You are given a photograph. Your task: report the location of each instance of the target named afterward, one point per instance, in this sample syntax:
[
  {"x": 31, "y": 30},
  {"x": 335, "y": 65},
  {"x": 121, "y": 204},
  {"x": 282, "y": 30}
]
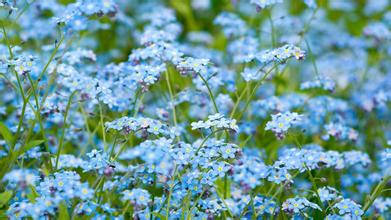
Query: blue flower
[
  {"x": 228, "y": 151},
  {"x": 252, "y": 74},
  {"x": 280, "y": 55},
  {"x": 327, "y": 194},
  {"x": 217, "y": 121},
  {"x": 137, "y": 196},
  {"x": 349, "y": 207},
  {"x": 220, "y": 169},
  {"x": 281, "y": 122},
  {"x": 297, "y": 205}
]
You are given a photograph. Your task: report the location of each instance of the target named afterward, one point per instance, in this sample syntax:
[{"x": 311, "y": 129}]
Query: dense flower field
[{"x": 195, "y": 109}]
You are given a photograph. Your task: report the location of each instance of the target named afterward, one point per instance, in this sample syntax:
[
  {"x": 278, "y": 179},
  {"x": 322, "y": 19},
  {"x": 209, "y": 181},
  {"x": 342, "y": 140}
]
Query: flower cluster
[
  {"x": 217, "y": 121},
  {"x": 62, "y": 186},
  {"x": 349, "y": 208},
  {"x": 280, "y": 55},
  {"x": 327, "y": 193},
  {"x": 322, "y": 83},
  {"x": 340, "y": 131},
  {"x": 297, "y": 205},
  {"x": 139, "y": 197},
  {"x": 118, "y": 109},
  {"x": 144, "y": 125},
  {"x": 281, "y": 122}
]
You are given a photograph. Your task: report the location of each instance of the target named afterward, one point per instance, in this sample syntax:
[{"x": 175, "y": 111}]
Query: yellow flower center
[{"x": 84, "y": 191}]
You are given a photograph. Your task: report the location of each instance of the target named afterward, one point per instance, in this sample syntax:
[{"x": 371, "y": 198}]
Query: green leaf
[
  {"x": 5, "y": 197},
  {"x": 159, "y": 215},
  {"x": 63, "y": 212},
  {"x": 33, "y": 195},
  {"x": 6, "y": 133}
]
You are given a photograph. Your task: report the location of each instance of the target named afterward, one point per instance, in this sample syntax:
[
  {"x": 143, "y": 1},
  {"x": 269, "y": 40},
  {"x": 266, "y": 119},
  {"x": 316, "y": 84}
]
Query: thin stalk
[
  {"x": 238, "y": 101},
  {"x": 114, "y": 144},
  {"x": 315, "y": 186},
  {"x": 170, "y": 192},
  {"x": 13, "y": 85},
  {"x": 64, "y": 129},
  {"x": 210, "y": 92},
  {"x": 24, "y": 10},
  {"x": 87, "y": 127},
  {"x": 376, "y": 192},
  {"x": 246, "y": 207},
  {"x": 102, "y": 126},
  {"x": 38, "y": 113},
  {"x": 195, "y": 204},
  {"x": 312, "y": 58},
  {"x": 137, "y": 107},
  {"x": 273, "y": 37},
  {"x": 7, "y": 41},
  {"x": 135, "y": 101},
  {"x": 174, "y": 116},
  {"x": 100, "y": 196},
  {"x": 20, "y": 88},
  {"x": 172, "y": 98},
  {"x": 225, "y": 186},
  {"x": 51, "y": 58},
  {"x": 206, "y": 138},
  {"x": 16, "y": 137},
  {"x": 280, "y": 189},
  {"x": 153, "y": 196},
  {"x": 126, "y": 208},
  {"x": 52, "y": 78},
  {"x": 259, "y": 83},
  {"x": 312, "y": 179},
  {"x": 120, "y": 150}
]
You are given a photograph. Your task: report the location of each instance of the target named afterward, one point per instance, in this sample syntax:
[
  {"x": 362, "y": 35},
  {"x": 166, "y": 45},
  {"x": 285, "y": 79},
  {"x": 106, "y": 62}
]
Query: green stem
[
  {"x": 206, "y": 138},
  {"x": 376, "y": 192},
  {"x": 102, "y": 126},
  {"x": 24, "y": 9},
  {"x": 172, "y": 98},
  {"x": 135, "y": 101},
  {"x": 195, "y": 204},
  {"x": 52, "y": 78},
  {"x": 114, "y": 144},
  {"x": 153, "y": 196},
  {"x": 90, "y": 135},
  {"x": 315, "y": 187},
  {"x": 280, "y": 189},
  {"x": 51, "y": 57},
  {"x": 120, "y": 150},
  {"x": 16, "y": 137},
  {"x": 225, "y": 186},
  {"x": 259, "y": 83},
  {"x": 269, "y": 15},
  {"x": 210, "y": 92},
  {"x": 126, "y": 208},
  {"x": 7, "y": 42},
  {"x": 312, "y": 57},
  {"x": 38, "y": 113},
  {"x": 64, "y": 129},
  {"x": 170, "y": 192},
  {"x": 238, "y": 101},
  {"x": 135, "y": 112},
  {"x": 174, "y": 116},
  {"x": 312, "y": 179}
]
